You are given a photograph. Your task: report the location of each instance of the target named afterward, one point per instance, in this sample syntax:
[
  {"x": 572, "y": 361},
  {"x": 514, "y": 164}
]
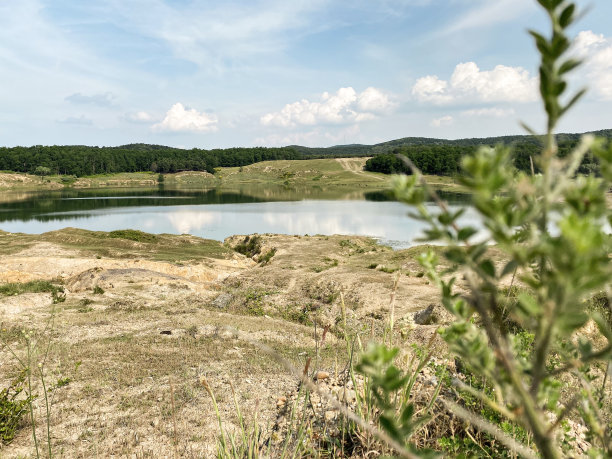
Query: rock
[
  {"x": 321, "y": 375},
  {"x": 424, "y": 316},
  {"x": 282, "y": 401},
  {"x": 222, "y": 300}
]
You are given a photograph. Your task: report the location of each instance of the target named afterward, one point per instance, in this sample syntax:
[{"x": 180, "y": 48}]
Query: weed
[
  {"x": 97, "y": 290},
  {"x": 254, "y": 301},
  {"x": 386, "y": 269},
  {"x": 372, "y": 266},
  {"x": 329, "y": 263},
  {"x": 12, "y": 408}
]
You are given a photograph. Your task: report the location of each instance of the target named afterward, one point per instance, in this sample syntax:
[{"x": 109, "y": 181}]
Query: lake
[{"x": 216, "y": 214}]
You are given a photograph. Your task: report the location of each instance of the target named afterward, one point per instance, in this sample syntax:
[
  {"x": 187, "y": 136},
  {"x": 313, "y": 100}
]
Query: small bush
[
  {"x": 250, "y": 246},
  {"x": 263, "y": 261},
  {"x": 97, "y": 290}
]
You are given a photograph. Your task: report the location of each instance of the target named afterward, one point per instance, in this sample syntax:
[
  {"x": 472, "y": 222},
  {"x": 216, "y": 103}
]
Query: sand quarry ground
[{"x": 176, "y": 308}]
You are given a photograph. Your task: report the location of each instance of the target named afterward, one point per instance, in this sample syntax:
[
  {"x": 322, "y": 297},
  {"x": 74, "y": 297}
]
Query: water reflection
[
  {"x": 188, "y": 222},
  {"x": 216, "y": 214}
]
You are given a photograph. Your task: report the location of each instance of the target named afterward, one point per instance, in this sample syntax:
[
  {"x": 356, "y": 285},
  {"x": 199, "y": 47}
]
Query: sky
[{"x": 216, "y": 74}]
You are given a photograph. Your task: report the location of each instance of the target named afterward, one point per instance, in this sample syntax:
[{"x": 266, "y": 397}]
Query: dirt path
[{"x": 356, "y": 165}]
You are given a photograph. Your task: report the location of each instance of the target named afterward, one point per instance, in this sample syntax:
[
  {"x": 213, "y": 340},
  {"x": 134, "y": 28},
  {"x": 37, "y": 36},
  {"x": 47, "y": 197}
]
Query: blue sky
[{"x": 208, "y": 74}]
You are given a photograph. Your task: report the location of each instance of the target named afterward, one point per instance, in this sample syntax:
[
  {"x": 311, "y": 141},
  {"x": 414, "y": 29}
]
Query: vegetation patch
[
  {"x": 133, "y": 235},
  {"x": 264, "y": 260},
  {"x": 37, "y": 286},
  {"x": 250, "y": 246}
]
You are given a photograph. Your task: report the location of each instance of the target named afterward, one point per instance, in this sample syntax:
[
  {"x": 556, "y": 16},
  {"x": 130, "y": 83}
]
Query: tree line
[
  {"x": 80, "y": 160},
  {"x": 446, "y": 159}
]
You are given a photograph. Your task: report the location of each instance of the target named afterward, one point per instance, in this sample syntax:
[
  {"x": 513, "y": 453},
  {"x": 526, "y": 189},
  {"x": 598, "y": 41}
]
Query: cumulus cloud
[
  {"x": 442, "y": 121},
  {"x": 596, "y": 50},
  {"x": 100, "y": 100},
  {"x": 494, "y": 112},
  {"x": 470, "y": 84},
  {"x": 345, "y": 106},
  {"x": 181, "y": 119}
]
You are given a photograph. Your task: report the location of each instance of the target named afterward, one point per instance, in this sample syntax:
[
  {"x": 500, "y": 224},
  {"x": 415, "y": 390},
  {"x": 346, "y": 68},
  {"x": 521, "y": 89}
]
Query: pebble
[{"x": 321, "y": 375}]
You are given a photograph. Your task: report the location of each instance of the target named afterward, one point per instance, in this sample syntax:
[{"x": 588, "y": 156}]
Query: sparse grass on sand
[{"x": 127, "y": 361}]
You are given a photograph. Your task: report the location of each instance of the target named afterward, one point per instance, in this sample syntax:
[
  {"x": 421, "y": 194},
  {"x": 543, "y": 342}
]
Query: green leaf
[
  {"x": 568, "y": 66},
  {"x": 487, "y": 267},
  {"x": 573, "y": 100},
  {"x": 407, "y": 413},
  {"x": 465, "y": 233},
  {"x": 602, "y": 325},
  {"x": 509, "y": 268},
  {"x": 567, "y": 15}
]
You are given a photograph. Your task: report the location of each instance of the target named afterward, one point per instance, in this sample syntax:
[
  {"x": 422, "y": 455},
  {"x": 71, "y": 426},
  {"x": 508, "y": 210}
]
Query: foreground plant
[
  {"x": 32, "y": 362},
  {"x": 550, "y": 231}
]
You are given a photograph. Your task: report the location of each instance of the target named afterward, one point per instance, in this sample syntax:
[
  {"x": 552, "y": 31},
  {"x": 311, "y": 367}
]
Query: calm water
[{"x": 216, "y": 214}]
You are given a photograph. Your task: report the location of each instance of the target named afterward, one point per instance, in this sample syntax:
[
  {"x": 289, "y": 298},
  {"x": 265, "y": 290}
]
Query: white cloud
[
  {"x": 494, "y": 112},
  {"x": 345, "y": 106},
  {"x": 442, "y": 121},
  {"x": 181, "y": 119},
  {"x": 596, "y": 50},
  {"x": 470, "y": 84},
  {"x": 373, "y": 100}
]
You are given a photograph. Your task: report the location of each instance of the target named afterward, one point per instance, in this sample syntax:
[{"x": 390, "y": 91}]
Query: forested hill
[
  {"x": 82, "y": 160},
  {"x": 444, "y": 157},
  {"x": 435, "y": 156},
  {"x": 387, "y": 147}
]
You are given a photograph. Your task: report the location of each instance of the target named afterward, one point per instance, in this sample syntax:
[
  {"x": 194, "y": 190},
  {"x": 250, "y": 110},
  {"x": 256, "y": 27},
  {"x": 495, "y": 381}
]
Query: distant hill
[{"x": 386, "y": 147}]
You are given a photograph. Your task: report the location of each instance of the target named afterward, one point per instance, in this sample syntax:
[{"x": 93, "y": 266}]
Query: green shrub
[
  {"x": 250, "y": 246},
  {"x": 263, "y": 261}
]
